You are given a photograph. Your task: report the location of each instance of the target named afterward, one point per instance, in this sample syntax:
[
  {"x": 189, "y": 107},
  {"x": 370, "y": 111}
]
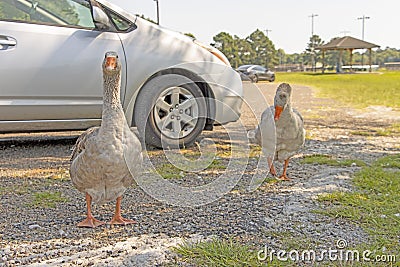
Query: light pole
[
  {"x": 158, "y": 12},
  {"x": 266, "y": 51},
  {"x": 312, "y": 16},
  {"x": 363, "y": 18}
]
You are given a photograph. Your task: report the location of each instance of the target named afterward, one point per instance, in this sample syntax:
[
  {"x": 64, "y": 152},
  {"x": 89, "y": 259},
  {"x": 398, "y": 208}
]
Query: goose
[
  {"x": 105, "y": 159},
  {"x": 289, "y": 133}
]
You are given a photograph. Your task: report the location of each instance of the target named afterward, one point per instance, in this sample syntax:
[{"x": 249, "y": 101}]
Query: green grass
[
  {"x": 218, "y": 253},
  {"x": 392, "y": 130},
  {"x": 359, "y": 90},
  {"x": 331, "y": 161},
  {"x": 229, "y": 253},
  {"x": 392, "y": 161},
  {"x": 48, "y": 199},
  {"x": 20, "y": 190},
  {"x": 375, "y": 205}
]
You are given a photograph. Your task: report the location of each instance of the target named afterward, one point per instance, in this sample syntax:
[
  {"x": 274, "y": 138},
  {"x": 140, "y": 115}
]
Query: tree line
[{"x": 258, "y": 49}]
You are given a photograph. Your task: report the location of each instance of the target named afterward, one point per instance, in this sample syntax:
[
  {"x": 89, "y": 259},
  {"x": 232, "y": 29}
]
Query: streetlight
[
  {"x": 158, "y": 12},
  {"x": 363, "y": 18},
  {"x": 312, "y": 16}
]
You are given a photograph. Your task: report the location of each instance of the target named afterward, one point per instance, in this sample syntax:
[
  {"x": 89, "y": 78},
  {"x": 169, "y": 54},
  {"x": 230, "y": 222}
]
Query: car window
[
  {"x": 75, "y": 13},
  {"x": 244, "y": 67},
  {"x": 259, "y": 68},
  {"x": 120, "y": 23}
]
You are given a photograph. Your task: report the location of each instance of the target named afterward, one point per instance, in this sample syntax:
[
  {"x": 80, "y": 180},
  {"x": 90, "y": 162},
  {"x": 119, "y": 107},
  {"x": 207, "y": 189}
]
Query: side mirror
[{"x": 100, "y": 18}]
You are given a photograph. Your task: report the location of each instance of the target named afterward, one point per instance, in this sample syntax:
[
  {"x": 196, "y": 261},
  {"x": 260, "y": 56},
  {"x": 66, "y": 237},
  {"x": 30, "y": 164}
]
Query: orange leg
[
  {"x": 284, "y": 177},
  {"x": 90, "y": 221},
  {"x": 117, "y": 218},
  {"x": 271, "y": 166}
]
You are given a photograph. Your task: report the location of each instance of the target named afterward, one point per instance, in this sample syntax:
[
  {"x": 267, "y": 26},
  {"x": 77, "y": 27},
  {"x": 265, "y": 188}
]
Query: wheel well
[{"x": 201, "y": 83}]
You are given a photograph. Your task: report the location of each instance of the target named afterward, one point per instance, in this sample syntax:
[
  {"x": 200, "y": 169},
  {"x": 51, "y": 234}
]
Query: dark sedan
[{"x": 256, "y": 73}]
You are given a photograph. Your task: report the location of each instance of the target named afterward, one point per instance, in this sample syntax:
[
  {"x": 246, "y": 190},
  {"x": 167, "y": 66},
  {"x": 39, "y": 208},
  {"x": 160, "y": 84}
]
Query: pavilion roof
[{"x": 346, "y": 42}]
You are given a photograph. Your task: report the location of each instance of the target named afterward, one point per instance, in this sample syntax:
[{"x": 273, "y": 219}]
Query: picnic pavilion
[{"x": 346, "y": 43}]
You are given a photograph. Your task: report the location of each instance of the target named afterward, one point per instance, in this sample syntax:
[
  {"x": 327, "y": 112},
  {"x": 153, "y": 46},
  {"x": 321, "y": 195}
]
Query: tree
[
  {"x": 281, "y": 56},
  {"x": 386, "y": 55},
  {"x": 244, "y": 51},
  {"x": 263, "y": 50},
  {"x": 254, "y": 49},
  {"x": 313, "y": 56},
  {"x": 227, "y": 45}
]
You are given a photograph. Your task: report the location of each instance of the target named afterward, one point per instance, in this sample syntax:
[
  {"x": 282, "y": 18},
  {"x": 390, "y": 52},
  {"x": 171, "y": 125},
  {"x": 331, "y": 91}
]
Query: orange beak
[
  {"x": 111, "y": 63},
  {"x": 278, "y": 111}
]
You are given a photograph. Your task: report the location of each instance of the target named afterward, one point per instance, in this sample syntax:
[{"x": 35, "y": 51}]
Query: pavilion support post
[
  {"x": 340, "y": 61},
  {"x": 323, "y": 61},
  {"x": 370, "y": 59},
  {"x": 351, "y": 60}
]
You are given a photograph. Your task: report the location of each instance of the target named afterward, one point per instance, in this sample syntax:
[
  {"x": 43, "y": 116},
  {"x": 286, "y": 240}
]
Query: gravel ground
[{"x": 34, "y": 235}]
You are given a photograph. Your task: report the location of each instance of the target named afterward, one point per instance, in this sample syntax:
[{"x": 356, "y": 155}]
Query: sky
[{"x": 288, "y": 21}]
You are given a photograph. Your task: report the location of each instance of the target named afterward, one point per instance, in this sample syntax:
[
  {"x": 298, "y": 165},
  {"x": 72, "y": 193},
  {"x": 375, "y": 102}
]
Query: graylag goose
[
  {"x": 289, "y": 131},
  {"x": 103, "y": 156}
]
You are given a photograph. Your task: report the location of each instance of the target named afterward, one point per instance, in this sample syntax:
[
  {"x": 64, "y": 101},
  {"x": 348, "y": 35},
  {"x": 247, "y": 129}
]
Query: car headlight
[{"x": 213, "y": 51}]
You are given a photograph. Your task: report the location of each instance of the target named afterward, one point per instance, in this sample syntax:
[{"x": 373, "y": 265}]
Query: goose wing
[
  {"x": 265, "y": 134},
  {"x": 295, "y": 111},
  {"x": 81, "y": 141}
]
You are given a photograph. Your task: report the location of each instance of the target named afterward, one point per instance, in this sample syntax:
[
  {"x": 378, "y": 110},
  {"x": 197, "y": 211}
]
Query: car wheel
[
  {"x": 170, "y": 111},
  {"x": 272, "y": 79},
  {"x": 254, "y": 79}
]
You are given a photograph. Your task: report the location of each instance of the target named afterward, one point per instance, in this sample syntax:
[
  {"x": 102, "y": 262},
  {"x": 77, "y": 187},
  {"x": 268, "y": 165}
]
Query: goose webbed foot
[
  {"x": 90, "y": 222},
  {"x": 272, "y": 170},
  {"x": 284, "y": 177},
  {"x": 117, "y": 218}
]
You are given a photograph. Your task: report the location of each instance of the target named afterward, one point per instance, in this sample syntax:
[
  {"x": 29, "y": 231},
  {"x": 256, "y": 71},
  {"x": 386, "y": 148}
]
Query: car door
[
  {"x": 260, "y": 72},
  {"x": 50, "y": 61}
]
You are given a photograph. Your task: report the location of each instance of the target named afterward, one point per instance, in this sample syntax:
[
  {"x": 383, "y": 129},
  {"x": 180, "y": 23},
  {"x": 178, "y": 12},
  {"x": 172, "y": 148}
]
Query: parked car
[
  {"x": 172, "y": 86},
  {"x": 256, "y": 73}
]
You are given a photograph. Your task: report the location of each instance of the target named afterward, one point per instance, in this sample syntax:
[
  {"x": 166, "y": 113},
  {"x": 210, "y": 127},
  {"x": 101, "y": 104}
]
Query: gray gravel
[{"x": 33, "y": 163}]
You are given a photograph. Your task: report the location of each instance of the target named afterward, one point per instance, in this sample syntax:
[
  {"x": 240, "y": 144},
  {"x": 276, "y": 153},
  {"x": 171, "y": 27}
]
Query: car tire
[
  {"x": 170, "y": 111},
  {"x": 272, "y": 79},
  {"x": 254, "y": 79}
]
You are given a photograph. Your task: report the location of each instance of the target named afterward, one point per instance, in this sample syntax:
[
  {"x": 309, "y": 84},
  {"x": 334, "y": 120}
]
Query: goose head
[
  {"x": 282, "y": 99},
  {"x": 111, "y": 63}
]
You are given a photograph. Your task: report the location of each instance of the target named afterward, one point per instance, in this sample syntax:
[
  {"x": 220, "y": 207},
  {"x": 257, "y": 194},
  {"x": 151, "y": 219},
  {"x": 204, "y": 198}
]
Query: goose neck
[{"x": 111, "y": 94}]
